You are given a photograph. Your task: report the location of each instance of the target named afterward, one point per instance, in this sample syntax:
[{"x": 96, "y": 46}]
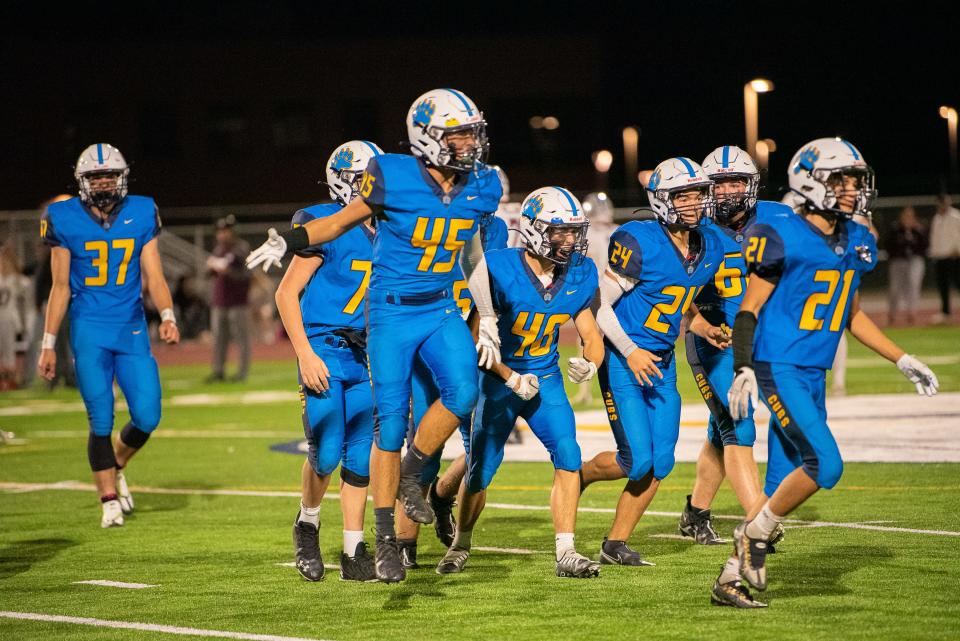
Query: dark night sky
[{"x": 874, "y": 76}]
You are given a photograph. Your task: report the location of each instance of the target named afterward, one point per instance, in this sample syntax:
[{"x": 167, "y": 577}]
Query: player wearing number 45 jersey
[
  {"x": 428, "y": 207},
  {"x": 655, "y": 270},
  {"x": 102, "y": 241},
  {"x": 804, "y": 273},
  {"x": 321, "y": 302}
]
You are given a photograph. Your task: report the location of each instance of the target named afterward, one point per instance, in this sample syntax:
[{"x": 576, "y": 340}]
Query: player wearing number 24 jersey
[
  {"x": 101, "y": 241},
  {"x": 655, "y": 270}
]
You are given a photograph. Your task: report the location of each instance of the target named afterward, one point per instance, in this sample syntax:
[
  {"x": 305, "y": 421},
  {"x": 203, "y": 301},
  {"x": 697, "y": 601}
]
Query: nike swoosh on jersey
[
  {"x": 472, "y": 197},
  {"x": 135, "y": 332},
  {"x": 571, "y": 291},
  {"x": 127, "y": 221},
  {"x": 707, "y": 265}
]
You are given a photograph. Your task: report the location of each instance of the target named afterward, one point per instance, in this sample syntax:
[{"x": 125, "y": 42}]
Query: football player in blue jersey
[
  {"x": 102, "y": 241},
  {"x": 655, "y": 270},
  {"x": 804, "y": 272},
  {"x": 320, "y": 301},
  {"x": 428, "y": 207},
  {"x": 728, "y": 450},
  {"x": 536, "y": 289},
  {"x": 442, "y": 491}
]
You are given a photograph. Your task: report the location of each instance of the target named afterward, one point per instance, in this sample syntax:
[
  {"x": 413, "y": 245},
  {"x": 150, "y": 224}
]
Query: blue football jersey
[
  {"x": 493, "y": 235},
  {"x": 530, "y": 316},
  {"x": 105, "y": 281},
  {"x": 421, "y": 230},
  {"x": 667, "y": 282},
  {"x": 816, "y": 276},
  {"x": 333, "y": 298}
]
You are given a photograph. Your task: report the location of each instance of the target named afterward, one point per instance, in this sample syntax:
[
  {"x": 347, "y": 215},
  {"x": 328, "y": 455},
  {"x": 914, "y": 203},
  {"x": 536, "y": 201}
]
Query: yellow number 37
[{"x": 100, "y": 261}]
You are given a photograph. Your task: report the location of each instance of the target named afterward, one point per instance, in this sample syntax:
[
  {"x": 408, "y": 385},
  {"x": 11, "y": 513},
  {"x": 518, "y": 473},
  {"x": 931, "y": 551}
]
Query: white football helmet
[
  {"x": 817, "y": 172},
  {"x": 545, "y": 215},
  {"x": 730, "y": 162},
  {"x": 675, "y": 176},
  {"x": 440, "y": 112},
  {"x": 345, "y": 168},
  {"x": 98, "y": 161}
]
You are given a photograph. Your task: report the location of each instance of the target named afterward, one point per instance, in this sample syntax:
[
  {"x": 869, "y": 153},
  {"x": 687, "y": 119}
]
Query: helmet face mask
[
  {"x": 692, "y": 206},
  {"x": 554, "y": 226},
  {"x": 440, "y": 126},
  {"x": 101, "y": 174},
  {"x": 681, "y": 194},
  {"x": 562, "y": 243},
  {"x": 737, "y": 181},
  {"x": 833, "y": 178}
]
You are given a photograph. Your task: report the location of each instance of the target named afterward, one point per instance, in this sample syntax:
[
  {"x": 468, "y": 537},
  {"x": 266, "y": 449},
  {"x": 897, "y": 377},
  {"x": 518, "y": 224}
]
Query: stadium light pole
[
  {"x": 631, "y": 140},
  {"x": 750, "y": 91},
  {"x": 765, "y": 147},
  {"x": 950, "y": 115}
]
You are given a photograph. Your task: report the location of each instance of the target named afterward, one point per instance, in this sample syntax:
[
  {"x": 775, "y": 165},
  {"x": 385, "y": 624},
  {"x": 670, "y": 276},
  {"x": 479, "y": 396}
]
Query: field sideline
[{"x": 874, "y": 558}]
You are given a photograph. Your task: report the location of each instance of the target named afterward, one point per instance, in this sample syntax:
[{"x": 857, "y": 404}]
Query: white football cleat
[
  {"x": 112, "y": 514},
  {"x": 123, "y": 494}
]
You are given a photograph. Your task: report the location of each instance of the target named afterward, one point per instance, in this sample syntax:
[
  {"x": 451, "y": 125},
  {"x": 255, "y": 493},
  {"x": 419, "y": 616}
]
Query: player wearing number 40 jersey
[
  {"x": 655, "y": 270},
  {"x": 102, "y": 241},
  {"x": 804, "y": 272},
  {"x": 536, "y": 289},
  {"x": 321, "y": 302},
  {"x": 428, "y": 207}
]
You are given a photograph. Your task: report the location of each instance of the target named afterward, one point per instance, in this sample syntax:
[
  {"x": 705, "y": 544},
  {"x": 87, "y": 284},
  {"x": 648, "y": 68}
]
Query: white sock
[
  {"x": 731, "y": 570},
  {"x": 463, "y": 539},
  {"x": 763, "y": 525},
  {"x": 309, "y": 515},
  {"x": 351, "y": 539},
  {"x": 564, "y": 543}
]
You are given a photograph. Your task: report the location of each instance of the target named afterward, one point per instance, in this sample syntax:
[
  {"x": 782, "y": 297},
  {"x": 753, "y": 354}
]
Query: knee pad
[
  {"x": 354, "y": 479},
  {"x": 461, "y": 400},
  {"x": 133, "y": 437},
  {"x": 327, "y": 459},
  {"x": 100, "y": 453},
  {"x": 663, "y": 465},
  {"x": 567, "y": 455},
  {"x": 829, "y": 473},
  {"x": 389, "y": 432},
  {"x": 637, "y": 468}
]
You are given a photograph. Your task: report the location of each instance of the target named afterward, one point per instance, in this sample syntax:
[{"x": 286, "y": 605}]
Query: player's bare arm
[
  {"x": 582, "y": 369},
  {"x": 159, "y": 291},
  {"x": 313, "y": 371},
  {"x": 56, "y": 308},
  {"x": 716, "y": 336}
]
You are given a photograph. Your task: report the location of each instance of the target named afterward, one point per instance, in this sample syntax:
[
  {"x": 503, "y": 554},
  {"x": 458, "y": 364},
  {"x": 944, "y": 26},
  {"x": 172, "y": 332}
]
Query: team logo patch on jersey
[
  {"x": 533, "y": 208},
  {"x": 807, "y": 158},
  {"x": 424, "y": 112},
  {"x": 863, "y": 251},
  {"x": 343, "y": 160}
]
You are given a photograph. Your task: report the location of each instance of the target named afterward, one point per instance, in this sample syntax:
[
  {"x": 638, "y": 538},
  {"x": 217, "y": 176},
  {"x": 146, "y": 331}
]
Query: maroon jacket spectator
[{"x": 228, "y": 313}]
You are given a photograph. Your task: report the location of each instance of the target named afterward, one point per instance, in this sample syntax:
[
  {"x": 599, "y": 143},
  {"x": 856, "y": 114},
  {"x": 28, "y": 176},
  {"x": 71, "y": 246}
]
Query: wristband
[
  {"x": 49, "y": 341},
  {"x": 167, "y": 315},
  {"x": 297, "y": 239}
]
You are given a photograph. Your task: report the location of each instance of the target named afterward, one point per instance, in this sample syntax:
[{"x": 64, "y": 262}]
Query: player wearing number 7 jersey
[
  {"x": 804, "y": 273},
  {"x": 655, "y": 269},
  {"x": 428, "y": 207},
  {"x": 102, "y": 241}
]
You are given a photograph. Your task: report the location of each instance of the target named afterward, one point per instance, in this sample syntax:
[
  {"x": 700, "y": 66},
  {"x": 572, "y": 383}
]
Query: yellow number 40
[{"x": 100, "y": 261}]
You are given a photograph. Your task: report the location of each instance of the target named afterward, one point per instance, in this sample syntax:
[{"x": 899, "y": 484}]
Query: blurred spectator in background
[
  {"x": 907, "y": 249},
  {"x": 12, "y": 293},
  {"x": 945, "y": 252},
  {"x": 228, "y": 312},
  {"x": 193, "y": 313}
]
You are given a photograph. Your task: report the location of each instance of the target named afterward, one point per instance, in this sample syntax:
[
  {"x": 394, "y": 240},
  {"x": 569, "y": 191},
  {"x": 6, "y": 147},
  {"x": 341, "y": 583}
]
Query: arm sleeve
[
  {"x": 624, "y": 255},
  {"x": 300, "y": 219},
  {"x": 372, "y": 187},
  {"x": 610, "y": 293},
  {"x": 764, "y": 252},
  {"x": 478, "y": 278}
]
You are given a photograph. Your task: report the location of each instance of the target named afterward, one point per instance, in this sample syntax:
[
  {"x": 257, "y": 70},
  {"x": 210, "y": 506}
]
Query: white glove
[
  {"x": 919, "y": 374},
  {"x": 580, "y": 370},
  {"x": 269, "y": 253},
  {"x": 742, "y": 392},
  {"x": 525, "y": 386},
  {"x": 488, "y": 342}
]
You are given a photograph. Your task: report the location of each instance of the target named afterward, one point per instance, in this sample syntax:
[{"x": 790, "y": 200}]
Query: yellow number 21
[{"x": 808, "y": 318}]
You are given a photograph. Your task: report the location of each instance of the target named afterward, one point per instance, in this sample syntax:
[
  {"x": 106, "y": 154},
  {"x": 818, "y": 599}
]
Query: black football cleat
[
  {"x": 734, "y": 594},
  {"x": 358, "y": 567},
  {"x": 697, "y": 525},
  {"x": 389, "y": 568},
  {"x": 306, "y": 545},
  {"x": 618, "y": 553},
  {"x": 753, "y": 557},
  {"x": 410, "y": 495},
  {"x": 445, "y": 525},
  {"x": 408, "y": 554}
]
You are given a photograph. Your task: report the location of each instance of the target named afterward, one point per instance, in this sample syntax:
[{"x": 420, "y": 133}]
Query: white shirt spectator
[{"x": 945, "y": 234}]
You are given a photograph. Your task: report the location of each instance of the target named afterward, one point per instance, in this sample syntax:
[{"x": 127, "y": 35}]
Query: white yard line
[
  {"x": 224, "y": 434},
  {"x": 147, "y": 627},
  {"x": 116, "y": 584},
  {"x": 86, "y": 487},
  {"x": 483, "y": 548}
]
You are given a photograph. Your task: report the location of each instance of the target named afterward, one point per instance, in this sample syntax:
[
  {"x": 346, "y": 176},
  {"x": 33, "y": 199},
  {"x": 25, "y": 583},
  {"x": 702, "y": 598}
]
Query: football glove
[
  {"x": 580, "y": 370},
  {"x": 525, "y": 386},
  {"x": 742, "y": 392},
  {"x": 919, "y": 374},
  {"x": 488, "y": 342},
  {"x": 269, "y": 253}
]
